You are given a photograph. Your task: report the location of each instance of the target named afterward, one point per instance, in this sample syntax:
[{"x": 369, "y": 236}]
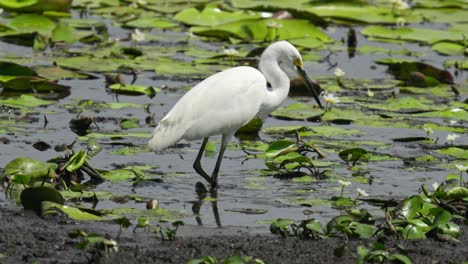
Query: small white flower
[
  {"x": 190, "y": 34},
  {"x": 452, "y": 137},
  {"x": 454, "y": 110},
  {"x": 402, "y": 5},
  {"x": 339, "y": 73},
  {"x": 138, "y": 36},
  {"x": 428, "y": 130},
  {"x": 331, "y": 99},
  {"x": 399, "y": 4},
  {"x": 453, "y": 122},
  {"x": 435, "y": 185},
  {"x": 274, "y": 24},
  {"x": 266, "y": 14},
  {"x": 344, "y": 183},
  {"x": 361, "y": 192},
  {"x": 461, "y": 167},
  {"x": 400, "y": 22},
  {"x": 142, "y": 2},
  {"x": 217, "y": 10},
  {"x": 230, "y": 52},
  {"x": 370, "y": 93}
]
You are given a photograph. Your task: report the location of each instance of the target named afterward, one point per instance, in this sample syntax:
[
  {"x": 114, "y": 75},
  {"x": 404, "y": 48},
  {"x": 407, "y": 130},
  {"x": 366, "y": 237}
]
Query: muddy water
[{"x": 241, "y": 188}]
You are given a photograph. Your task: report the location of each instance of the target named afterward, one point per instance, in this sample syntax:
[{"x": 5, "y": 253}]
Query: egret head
[{"x": 286, "y": 55}]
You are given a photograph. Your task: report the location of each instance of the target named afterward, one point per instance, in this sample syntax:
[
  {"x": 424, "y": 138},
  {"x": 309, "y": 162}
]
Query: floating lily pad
[
  {"x": 212, "y": 16},
  {"x": 267, "y": 29},
  {"x": 72, "y": 212},
  {"x": 454, "y": 114},
  {"x": 404, "y": 104},
  {"x": 25, "y": 101},
  {"x": 449, "y": 48},
  {"x": 425, "y": 35},
  {"x": 134, "y": 89},
  {"x": 28, "y": 23},
  {"x": 455, "y": 152},
  {"x": 32, "y": 198},
  {"x": 298, "y": 111},
  {"x": 330, "y": 131},
  {"x": 151, "y": 22},
  {"x": 64, "y": 33}
]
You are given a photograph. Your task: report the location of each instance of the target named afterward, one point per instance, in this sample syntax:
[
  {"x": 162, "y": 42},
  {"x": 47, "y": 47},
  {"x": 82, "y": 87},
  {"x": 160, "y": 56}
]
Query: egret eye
[{"x": 297, "y": 62}]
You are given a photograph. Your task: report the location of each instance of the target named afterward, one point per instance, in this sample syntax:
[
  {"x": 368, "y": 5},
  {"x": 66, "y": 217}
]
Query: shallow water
[{"x": 241, "y": 186}]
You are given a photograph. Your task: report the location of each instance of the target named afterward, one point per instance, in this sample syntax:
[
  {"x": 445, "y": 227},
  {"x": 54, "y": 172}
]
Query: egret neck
[{"x": 278, "y": 80}]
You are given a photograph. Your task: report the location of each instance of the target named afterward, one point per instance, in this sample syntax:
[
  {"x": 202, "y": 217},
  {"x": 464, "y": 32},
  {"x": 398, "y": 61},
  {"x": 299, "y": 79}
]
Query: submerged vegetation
[{"x": 83, "y": 83}]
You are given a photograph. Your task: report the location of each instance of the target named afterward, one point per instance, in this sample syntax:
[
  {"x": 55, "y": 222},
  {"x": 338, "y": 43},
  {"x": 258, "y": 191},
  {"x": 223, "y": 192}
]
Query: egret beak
[{"x": 312, "y": 85}]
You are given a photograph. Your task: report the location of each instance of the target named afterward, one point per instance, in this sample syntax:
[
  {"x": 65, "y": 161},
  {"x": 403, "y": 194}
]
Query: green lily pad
[
  {"x": 17, "y": 4},
  {"x": 28, "y": 23},
  {"x": 404, "y": 104},
  {"x": 57, "y": 73},
  {"x": 453, "y": 114},
  {"x": 329, "y": 131},
  {"x": 13, "y": 69},
  {"x": 212, "y": 16},
  {"x": 265, "y": 29},
  {"x": 72, "y": 212},
  {"x": 353, "y": 155},
  {"x": 160, "y": 214},
  {"x": 412, "y": 206},
  {"x": 425, "y": 35},
  {"x": 32, "y": 198},
  {"x": 25, "y": 101},
  {"x": 454, "y": 152},
  {"x": 336, "y": 114},
  {"x": 64, "y": 33},
  {"x": 298, "y": 111},
  {"x": 134, "y": 89},
  {"x": 151, "y": 22},
  {"x": 370, "y": 14},
  {"x": 449, "y": 48},
  {"x": 278, "y": 147}
]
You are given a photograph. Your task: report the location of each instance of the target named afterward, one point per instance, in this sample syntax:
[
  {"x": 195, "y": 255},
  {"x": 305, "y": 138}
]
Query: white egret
[{"x": 225, "y": 101}]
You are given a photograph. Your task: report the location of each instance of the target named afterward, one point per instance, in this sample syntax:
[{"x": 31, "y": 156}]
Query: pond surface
[{"x": 250, "y": 194}]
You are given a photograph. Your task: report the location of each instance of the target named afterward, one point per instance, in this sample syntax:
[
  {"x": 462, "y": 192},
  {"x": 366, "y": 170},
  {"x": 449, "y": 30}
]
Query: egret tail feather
[{"x": 164, "y": 136}]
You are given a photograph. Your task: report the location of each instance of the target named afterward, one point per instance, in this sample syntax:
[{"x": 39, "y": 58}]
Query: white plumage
[{"x": 225, "y": 101}]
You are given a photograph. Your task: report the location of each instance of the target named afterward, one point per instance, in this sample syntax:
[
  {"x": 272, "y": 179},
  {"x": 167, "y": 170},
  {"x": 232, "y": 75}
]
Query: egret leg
[
  {"x": 214, "y": 176},
  {"x": 197, "y": 164}
]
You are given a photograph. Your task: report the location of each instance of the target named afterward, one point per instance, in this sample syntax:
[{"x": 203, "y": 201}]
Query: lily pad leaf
[
  {"x": 413, "y": 232},
  {"x": 29, "y": 23},
  {"x": 13, "y": 69},
  {"x": 457, "y": 193},
  {"x": 267, "y": 29},
  {"x": 211, "y": 15},
  {"x": 454, "y": 152},
  {"x": 298, "y": 111},
  {"x": 16, "y": 4},
  {"x": 72, "y": 212},
  {"x": 411, "y": 207},
  {"x": 353, "y": 155},
  {"x": 31, "y": 168},
  {"x": 64, "y": 33},
  {"x": 32, "y": 198},
  {"x": 278, "y": 147},
  {"x": 76, "y": 161},
  {"x": 151, "y": 22},
  {"x": 449, "y": 48},
  {"x": 134, "y": 89},
  {"x": 426, "y": 35}
]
